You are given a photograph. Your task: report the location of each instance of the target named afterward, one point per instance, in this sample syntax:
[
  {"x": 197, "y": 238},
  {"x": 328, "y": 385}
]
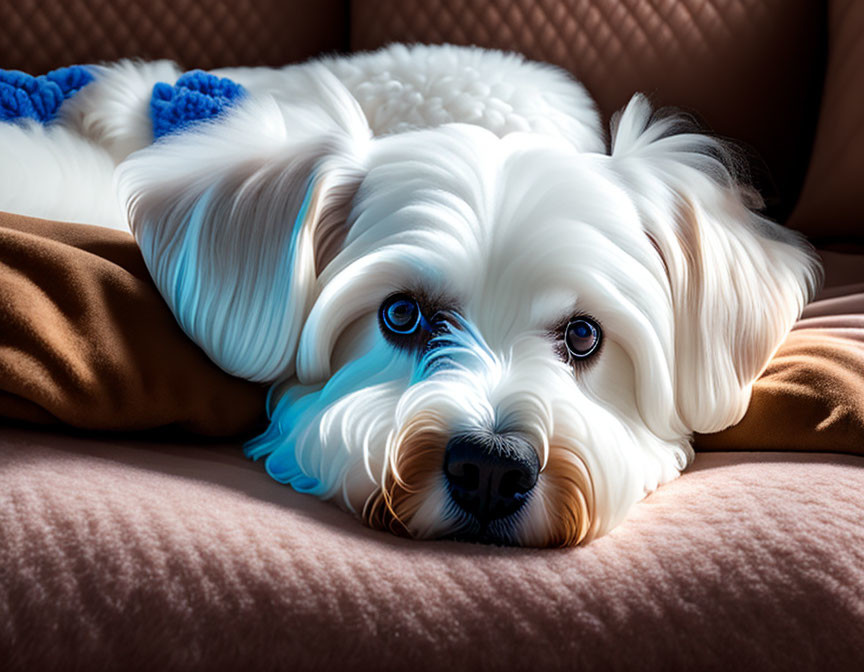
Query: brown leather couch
[
  {"x": 763, "y": 72},
  {"x": 186, "y": 557}
]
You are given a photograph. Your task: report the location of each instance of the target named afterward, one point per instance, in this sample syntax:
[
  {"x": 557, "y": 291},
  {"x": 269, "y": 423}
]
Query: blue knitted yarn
[
  {"x": 70, "y": 80},
  {"x": 24, "y": 96},
  {"x": 196, "y": 96}
]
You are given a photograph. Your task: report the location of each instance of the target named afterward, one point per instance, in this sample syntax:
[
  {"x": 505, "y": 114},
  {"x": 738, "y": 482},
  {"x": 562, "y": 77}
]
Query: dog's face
[
  {"x": 499, "y": 339},
  {"x": 477, "y": 338}
]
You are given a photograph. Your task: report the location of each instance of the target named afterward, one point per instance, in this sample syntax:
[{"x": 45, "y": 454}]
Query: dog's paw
[
  {"x": 24, "y": 96},
  {"x": 196, "y": 96}
]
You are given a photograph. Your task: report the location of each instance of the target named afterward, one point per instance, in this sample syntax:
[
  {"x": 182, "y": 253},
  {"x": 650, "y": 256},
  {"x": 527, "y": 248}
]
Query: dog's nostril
[
  {"x": 514, "y": 482},
  {"x": 464, "y": 475},
  {"x": 490, "y": 475}
]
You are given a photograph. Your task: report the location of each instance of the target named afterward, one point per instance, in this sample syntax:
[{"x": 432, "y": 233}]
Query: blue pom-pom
[
  {"x": 70, "y": 80},
  {"x": 196, "y": 96},
  {"x": 24, "y": 96}
]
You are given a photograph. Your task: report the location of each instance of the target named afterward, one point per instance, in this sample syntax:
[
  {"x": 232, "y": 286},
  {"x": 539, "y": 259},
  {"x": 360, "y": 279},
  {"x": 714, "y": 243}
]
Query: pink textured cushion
[{"x": 128, "y": 555}]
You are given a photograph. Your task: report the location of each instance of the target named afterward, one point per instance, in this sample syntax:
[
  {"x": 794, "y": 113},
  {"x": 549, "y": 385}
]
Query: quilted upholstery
[
  {"x": 830, "y": 206},
  {"x": 126, "y": 555},
  {"x": 752, "y": 68},
  {"x": 39, "y": 35}
]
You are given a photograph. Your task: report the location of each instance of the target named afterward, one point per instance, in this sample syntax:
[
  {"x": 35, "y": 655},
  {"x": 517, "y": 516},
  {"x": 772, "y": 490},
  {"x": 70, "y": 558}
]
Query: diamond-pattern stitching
[
  {"x": 635, "y": 33},
  {"x": 750, "y": 69},
  {"x": 39, "y": 35}
]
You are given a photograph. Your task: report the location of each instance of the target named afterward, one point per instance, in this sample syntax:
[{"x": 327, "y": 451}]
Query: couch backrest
[
  {"x": 831, "y": 207},
  {"x": 749, "y": 69},
  {"x": 39, "y": 35}
]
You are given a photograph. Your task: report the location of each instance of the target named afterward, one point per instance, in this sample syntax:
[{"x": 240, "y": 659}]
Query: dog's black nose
[{"x": 490, "y": 475}]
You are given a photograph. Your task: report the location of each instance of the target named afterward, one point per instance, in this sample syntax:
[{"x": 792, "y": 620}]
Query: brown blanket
[
  {"x": 87, "y": 341},
  {"x": 811, "y": 395}
]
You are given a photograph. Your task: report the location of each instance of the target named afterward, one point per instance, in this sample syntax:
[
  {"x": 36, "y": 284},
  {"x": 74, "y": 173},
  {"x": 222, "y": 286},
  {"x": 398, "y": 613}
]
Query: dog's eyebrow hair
[
  {"x": 432, "y": 303},
  {"x": 564, "y": 317}
]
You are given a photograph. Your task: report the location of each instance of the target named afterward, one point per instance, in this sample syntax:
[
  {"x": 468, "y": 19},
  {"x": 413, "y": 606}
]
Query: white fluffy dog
[{"x": 480, "y": 320}]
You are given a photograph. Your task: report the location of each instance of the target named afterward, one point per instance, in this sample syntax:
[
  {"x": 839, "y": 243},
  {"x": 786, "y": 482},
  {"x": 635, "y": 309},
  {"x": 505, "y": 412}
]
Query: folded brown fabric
[
  {"x": 811, "y": 395},
  {"x": 86, "y": 340}
]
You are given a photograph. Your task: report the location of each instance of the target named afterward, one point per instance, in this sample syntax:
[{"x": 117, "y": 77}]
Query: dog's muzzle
[{"x": 490, "y": 475}]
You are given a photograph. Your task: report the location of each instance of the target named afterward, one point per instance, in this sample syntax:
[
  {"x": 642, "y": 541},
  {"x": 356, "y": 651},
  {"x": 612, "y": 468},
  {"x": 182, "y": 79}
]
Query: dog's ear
[
  {"x": 737, "y": 281},
  {"x": 236, "y": 216}
]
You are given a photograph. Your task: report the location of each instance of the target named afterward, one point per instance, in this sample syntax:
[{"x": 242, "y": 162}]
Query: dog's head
[{"x": 502, "y": 339}]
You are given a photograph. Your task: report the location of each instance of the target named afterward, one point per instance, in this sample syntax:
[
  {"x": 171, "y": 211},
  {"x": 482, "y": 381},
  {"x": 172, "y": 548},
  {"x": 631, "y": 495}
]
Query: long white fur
[{"x": 476, "y": 177}]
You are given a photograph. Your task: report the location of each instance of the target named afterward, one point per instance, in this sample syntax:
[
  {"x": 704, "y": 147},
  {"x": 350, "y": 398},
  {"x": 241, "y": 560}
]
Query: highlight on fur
[
  {"x": 412, "y": 473},
  {"x": 478, "y": 184},
  {"x": 203, "y": 202},
  {"x": 738, "y": 280}
]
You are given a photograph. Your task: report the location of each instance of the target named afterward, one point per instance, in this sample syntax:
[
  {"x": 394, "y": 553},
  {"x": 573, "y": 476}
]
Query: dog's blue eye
[
  {"x": 582, "y": 337},
  {"x": 401, "y": 314}
]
